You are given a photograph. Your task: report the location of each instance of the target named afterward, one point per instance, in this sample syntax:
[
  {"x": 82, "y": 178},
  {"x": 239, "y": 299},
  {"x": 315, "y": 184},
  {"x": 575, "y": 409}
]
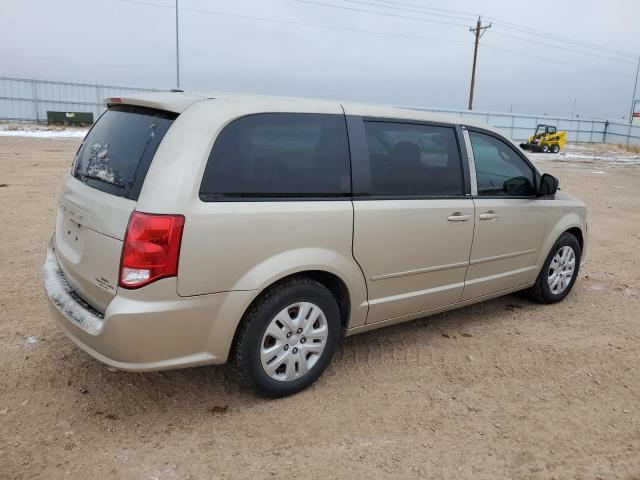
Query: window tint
[
  {"x": 499, "y": 169},
  {"x": 116, "y": 153},
  {"x": 279, "y": 155},
  {"x": 413, "y": 160}
]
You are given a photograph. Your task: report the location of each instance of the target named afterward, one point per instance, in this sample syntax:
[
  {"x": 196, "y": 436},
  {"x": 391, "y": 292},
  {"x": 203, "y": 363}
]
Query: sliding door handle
[
  {"x": 490, "y": 215},
  {"x": 458, "y": 217}
]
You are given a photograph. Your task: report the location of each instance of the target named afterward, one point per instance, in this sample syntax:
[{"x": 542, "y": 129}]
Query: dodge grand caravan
[{"x": 259, "y": 231}]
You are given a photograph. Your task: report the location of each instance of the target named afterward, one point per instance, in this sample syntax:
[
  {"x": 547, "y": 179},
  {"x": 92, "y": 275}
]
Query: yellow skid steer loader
[{"x": 546, "y": 139}]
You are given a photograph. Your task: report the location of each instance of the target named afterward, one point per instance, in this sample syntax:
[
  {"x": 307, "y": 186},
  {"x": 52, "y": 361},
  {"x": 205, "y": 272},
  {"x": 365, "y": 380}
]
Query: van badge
[{"x": 74, "y": 213}]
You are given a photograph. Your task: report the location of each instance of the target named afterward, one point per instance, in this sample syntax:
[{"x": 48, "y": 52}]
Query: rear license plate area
[{"x": 71, "y": 229}]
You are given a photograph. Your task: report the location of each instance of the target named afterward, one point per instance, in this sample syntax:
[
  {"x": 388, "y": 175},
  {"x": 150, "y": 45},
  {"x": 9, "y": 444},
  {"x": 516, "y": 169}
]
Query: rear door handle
[
  {"x": 490, "y": 215},
  {"x": 458, "y": 217}
]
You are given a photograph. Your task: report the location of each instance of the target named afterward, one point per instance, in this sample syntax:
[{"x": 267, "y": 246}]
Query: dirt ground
[{"x": 502, "y": 389}]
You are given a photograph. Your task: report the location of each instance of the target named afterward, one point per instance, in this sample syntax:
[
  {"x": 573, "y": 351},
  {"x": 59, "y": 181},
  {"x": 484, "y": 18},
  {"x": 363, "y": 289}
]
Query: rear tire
[
  {"x": 287, "y": 338},
  {"x": 544, "y": 148},
  {"x": 555, "y": 148},
  {"x": 559, "y": 271}
]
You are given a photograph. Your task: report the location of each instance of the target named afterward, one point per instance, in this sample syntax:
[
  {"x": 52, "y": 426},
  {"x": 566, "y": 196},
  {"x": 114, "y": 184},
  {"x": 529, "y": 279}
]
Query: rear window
[
  {"x": 116, "y": 153},
  {"x": 279, "y": 155}
]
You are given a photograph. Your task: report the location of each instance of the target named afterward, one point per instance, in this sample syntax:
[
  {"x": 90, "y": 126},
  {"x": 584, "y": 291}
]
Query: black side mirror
[{"x": 548, "y": 185}]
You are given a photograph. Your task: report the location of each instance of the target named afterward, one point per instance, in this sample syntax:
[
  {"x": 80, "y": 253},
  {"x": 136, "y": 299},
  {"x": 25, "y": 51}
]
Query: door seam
[{"x": 473, "y": 239}]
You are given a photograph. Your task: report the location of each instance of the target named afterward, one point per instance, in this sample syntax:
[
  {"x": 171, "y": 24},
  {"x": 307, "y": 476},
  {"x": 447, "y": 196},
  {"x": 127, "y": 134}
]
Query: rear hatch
[{"x": 99, "y": 194}]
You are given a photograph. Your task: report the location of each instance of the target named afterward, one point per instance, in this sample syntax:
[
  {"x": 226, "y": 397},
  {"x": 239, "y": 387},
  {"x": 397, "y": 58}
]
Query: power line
[
  {"x": 561, "y": 38},
  {"x": 420, "y": 19},
  {"x": 150, "y": 4},
  {"x": 300, "y": 24},
  {"x": 466, "y": 14},
  {"x": 379, "y": 13},
  {"x": 511, "y": 26},
  {"x": 358, "y": 30},
  {"x": 456, "y": 17},
  {"x": 563, "y": 48},
  {"x": 558, "y": 62}
]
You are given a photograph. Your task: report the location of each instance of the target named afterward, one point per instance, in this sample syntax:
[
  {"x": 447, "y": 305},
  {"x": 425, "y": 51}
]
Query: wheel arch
[
  {"x": 570, "y": 223},
  {"x": 330, "y": 280},
  {"x": 576, "y": 232}
]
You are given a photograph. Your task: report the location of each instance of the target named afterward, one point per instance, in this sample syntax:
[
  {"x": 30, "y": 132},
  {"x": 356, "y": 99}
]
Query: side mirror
[{"x": 548, "y": 185}]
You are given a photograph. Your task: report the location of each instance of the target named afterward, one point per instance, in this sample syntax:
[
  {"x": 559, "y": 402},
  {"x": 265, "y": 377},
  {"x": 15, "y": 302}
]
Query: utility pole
[
  {"x": 633, "y": 98},
  {"x": 177, "y": 50},
  {"x": 478, "y": 31}
]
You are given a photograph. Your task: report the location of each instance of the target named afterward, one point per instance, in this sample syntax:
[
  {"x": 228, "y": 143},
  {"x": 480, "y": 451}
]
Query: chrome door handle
[
  {"x": 458, "y": 217},
  {"x": 490, "y": 215}
]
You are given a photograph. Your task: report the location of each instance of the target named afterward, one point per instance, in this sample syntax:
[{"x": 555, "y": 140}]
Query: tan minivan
[{"x": 194, "y": 230}]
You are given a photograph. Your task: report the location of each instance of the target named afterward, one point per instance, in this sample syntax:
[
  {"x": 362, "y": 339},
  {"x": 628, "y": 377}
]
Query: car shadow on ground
[{"x": 214, "y": 388}]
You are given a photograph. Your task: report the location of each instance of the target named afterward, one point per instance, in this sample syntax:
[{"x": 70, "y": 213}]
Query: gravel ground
[{"x": 501, "y": 389}]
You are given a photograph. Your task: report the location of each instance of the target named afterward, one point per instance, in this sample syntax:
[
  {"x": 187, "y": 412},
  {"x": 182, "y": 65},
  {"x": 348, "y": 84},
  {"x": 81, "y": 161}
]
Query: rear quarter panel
[{"x": 231, "y": 246}]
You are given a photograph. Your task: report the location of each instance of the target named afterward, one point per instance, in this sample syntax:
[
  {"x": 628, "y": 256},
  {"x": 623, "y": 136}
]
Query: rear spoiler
[{"x": 176, "y": 102}]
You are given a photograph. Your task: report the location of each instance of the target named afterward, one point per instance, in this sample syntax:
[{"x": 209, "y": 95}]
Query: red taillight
[{"x": 151, "y": 249}]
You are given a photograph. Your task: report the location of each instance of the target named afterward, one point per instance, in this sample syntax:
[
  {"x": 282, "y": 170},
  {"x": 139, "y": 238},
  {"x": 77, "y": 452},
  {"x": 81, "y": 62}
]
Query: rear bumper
[{"x": 150, "y": 328}]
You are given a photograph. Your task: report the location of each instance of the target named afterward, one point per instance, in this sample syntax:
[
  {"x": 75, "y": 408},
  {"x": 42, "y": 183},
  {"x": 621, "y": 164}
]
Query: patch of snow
[
  {"x": 60, "y": 293},
  {"x": 31, "y": 340},
  {"x": 98, "y": 163},
  {"x": 43, "y": 133},
  {"x": 591, "y": 153}
]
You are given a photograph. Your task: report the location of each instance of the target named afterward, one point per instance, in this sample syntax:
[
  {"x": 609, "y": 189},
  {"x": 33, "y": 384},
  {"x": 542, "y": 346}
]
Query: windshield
[{"x": 116, "y": 153}]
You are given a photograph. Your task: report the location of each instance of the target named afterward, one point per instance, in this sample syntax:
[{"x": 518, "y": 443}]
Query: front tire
[
  {"x": 287, "y": 338},
  {"x": 544, "y": 148},
  {"x": 559, "y": 271},
  {"x": 555, "y": 148}
]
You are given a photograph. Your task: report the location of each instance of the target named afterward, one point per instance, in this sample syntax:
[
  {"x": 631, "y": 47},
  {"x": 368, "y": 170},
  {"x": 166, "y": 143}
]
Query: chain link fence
[{"x": 29, "y": 100}]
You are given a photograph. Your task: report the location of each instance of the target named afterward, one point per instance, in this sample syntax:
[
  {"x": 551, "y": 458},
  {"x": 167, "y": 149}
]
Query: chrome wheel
[
  {"x": 294, "y": 341},
  {"x": 561, "y": 270}
]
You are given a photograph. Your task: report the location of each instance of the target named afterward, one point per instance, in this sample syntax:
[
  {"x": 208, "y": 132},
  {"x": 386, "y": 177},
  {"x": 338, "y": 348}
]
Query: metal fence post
[
  {"x": 34, "y": 89},
  {"x": 604, "y": 134}
]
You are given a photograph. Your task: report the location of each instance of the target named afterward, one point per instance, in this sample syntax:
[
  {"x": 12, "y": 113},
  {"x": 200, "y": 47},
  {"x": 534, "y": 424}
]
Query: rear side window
[
  {"x": 279, "y": 155},
  {"x": 413, "y": 160},
  {"x": 116, "y": 153}
]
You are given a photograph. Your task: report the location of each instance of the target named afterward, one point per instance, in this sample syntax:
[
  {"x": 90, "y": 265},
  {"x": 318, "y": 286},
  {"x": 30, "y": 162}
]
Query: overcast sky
[{"x": 119, "y": 42}]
